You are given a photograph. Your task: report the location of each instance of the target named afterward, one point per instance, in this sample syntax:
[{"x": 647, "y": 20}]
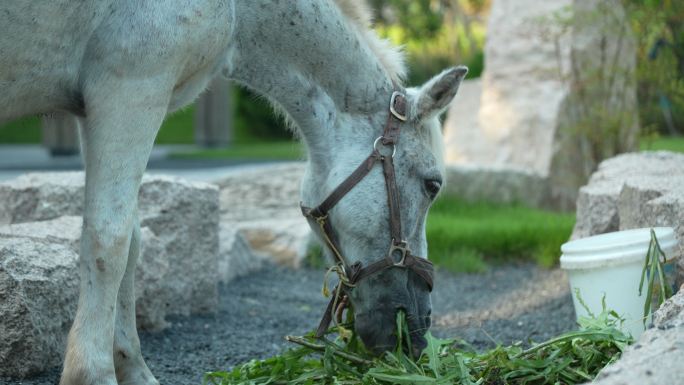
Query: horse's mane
[{"x": 360, "y": 15}]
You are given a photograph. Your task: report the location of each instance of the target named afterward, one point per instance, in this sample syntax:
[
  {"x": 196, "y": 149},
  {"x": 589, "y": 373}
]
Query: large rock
[
  {"x": 462, "y": 126},
  {"x": 634, "y": 190},
  {"x": 38, "y": 296},
  {"x": 177, "y": 272},
  {"x": 24, "y": 319},
  {"x": 671, "y": 312},
  {"x": 546, "y": 103},
  {"x": 237, "y": 258},
  {"x": 40, "y": 196},
  {"x": 263, "y": 206},
  {"x": 497, "y": 184},
  {"x": 182, "y": 215},
  {"x": 153, "y": 300},
  {"x": 185, "y": 217},
  {"x": 656, "y": 358}
]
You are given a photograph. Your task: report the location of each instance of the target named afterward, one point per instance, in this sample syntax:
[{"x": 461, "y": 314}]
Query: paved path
[{"x": 19, "y": 159}]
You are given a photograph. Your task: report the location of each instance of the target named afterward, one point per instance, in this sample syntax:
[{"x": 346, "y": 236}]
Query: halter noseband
[{"x": 398, "y": 255}]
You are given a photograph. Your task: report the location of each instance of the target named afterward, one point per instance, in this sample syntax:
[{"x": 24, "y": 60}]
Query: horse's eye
[{"x": 432, "y": 187}]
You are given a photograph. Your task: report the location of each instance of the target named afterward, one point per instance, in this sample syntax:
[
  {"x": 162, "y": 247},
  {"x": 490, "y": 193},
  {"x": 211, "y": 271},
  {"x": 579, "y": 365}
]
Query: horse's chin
[
  {"x": 380, "y": 339},
  {"x": 376, "y": 303}
]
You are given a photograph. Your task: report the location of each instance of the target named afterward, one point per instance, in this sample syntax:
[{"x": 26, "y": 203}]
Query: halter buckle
[
  {"x": 394, "y": 112},
  {"x": 402, "y": 248}
]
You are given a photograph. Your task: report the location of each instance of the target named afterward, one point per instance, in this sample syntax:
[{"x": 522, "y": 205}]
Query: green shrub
[
  {"x": 435, "y": 35},
  {"x": 254, "y": 119},
  {"x": 659, "y": 34}
]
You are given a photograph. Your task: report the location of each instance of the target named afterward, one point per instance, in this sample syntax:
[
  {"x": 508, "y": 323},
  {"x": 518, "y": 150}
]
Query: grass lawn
[
  {"x": 25, "y": 130},
  {"x": 467, "y": 237},
  {"x": 177, "y": 129},
  {"x": 284, "y": 150},
  {"x": 669, "y": 143}
]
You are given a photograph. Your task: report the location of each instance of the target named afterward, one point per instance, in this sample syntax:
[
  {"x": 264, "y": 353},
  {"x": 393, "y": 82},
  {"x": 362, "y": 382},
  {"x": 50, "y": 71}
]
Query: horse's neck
[{"x": 307, "y": 58}]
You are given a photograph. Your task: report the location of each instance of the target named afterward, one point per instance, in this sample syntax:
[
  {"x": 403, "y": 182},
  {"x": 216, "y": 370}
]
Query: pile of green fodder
[{"x": 571, "y": 358}]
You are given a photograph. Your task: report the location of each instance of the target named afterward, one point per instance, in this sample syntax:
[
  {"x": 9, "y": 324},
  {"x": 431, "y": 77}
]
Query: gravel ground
[{"x": 507, "y": 304}]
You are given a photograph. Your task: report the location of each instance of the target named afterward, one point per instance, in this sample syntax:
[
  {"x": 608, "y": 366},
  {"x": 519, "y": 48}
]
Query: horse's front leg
[
  {"x": 129, "y": 364},
  {"x": 122, "y": 119}
]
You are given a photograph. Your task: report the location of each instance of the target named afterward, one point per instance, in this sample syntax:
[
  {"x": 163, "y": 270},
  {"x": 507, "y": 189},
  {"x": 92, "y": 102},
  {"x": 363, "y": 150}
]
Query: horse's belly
[{"x": 41, "y": 43}]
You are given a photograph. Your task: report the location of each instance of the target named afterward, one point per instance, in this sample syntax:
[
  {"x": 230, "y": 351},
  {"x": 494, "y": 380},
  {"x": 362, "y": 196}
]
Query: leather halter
[{"x": 398, "y": 255}]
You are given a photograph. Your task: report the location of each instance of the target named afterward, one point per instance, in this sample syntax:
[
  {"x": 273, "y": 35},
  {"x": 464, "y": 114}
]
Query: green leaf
[
  {"x": 433, "y": 350},
  {"x": 407, "y": 379}
]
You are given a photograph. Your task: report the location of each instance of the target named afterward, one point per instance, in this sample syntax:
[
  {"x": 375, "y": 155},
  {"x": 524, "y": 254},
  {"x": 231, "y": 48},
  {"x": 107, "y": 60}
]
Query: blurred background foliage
[
  {"x": 658, "y": 27},
  {"x": 435, "y": 33},
  {"x": 441, "y": 33}
]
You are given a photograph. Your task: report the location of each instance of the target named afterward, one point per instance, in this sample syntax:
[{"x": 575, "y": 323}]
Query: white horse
[{"x": 122, "y": 65}]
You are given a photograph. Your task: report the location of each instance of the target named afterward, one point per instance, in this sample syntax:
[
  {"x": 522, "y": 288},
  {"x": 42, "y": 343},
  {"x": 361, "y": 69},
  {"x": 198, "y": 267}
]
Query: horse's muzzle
[
  {"x": 378, "y": 331},
  {"x": 376, "y": 303}
]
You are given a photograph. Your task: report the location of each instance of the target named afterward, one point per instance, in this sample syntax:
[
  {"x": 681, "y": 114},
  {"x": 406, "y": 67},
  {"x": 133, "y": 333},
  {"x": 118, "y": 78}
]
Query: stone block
[
  {"x": 40, "y": 196},
  {"x": 671, "y": 312},
  {"x": 534, "y": 107},
  {"x": 496, "y": 184},
  {"x": 656, "y": 358},
  {"x": 236, "y": 257},
  {"x": 263, "y": 206},
  {"x": 182, "y": 215},
  {"x": 38, "y": 297},
  {"x": 185, "y": 217},
  {"x": 635, "y": 190},
  {"x": 153, "y": 301}
]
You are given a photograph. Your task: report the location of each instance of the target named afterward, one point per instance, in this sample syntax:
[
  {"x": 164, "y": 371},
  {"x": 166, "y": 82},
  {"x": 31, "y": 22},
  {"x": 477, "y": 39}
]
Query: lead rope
[{"x": 328, "y": 241}]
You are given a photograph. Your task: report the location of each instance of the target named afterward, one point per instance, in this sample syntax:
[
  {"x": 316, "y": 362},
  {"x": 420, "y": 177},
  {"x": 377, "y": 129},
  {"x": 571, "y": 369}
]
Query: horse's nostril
[
  {"x": 419, "y": 343},
  {"x": 432, "y": 187}
]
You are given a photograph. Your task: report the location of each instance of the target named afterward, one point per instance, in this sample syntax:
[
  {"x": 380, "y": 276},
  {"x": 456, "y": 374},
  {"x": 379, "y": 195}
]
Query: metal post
[
  {"x": 213, "y": 115},
  {"x": 60, "y": 133}
]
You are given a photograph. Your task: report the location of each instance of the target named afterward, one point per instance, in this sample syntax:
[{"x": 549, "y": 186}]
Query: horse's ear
[{"x": 435, "y": 95}]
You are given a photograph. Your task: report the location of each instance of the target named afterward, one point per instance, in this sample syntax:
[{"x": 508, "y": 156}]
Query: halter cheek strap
[{"x": 398, "y": 255}]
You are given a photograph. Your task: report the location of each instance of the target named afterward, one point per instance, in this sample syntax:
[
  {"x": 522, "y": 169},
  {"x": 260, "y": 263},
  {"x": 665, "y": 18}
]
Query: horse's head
[{"x": 354, "y": 214}]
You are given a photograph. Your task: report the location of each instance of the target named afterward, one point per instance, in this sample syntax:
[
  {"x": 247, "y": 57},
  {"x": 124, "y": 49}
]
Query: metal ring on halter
[{"x": 375, "y": 146}]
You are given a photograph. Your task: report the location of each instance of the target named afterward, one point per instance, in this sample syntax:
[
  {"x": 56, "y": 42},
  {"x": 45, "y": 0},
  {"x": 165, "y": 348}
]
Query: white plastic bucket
[{"x": 610, "y": 265}]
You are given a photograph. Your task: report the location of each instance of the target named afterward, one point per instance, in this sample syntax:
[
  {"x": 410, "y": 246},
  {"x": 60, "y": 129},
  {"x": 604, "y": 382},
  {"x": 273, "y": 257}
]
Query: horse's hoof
[{"x": 134, "y": 372}]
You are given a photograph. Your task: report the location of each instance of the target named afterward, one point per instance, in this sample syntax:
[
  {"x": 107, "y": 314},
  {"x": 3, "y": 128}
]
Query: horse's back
[{"x": 50, "y": 48}]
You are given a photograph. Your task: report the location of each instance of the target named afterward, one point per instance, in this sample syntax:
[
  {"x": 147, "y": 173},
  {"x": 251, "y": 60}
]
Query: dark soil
[{"x": 507, "y": 304}]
